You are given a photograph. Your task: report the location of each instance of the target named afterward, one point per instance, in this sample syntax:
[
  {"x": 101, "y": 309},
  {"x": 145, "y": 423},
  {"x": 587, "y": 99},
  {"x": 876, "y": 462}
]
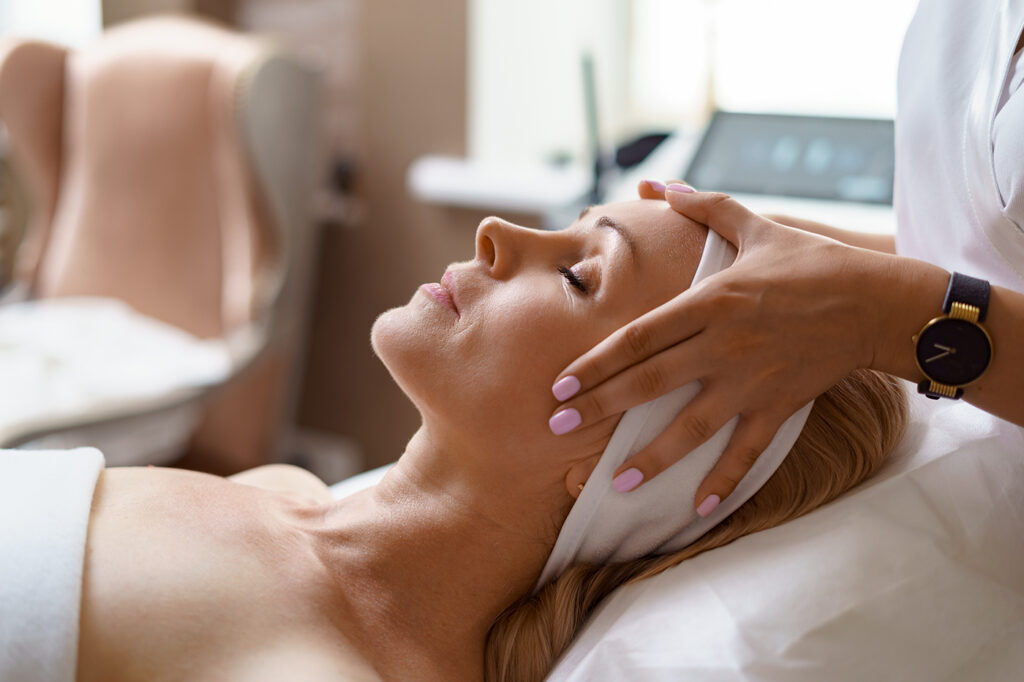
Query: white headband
[{"x": 605, "y": 526}]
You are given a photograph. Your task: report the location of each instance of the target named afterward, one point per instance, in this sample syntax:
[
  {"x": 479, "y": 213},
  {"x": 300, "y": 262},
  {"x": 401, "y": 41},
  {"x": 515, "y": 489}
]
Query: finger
[
  {"x": 720, "y": 212},
  {"x": 651, "y": 333},
  {"x": 698, "y": 421},
  {"x": 655, "y": 189},
  {"x": 751, "y": 438},
  {"x": 673, "y": 367},
  {"x": 651, "y": 189}
]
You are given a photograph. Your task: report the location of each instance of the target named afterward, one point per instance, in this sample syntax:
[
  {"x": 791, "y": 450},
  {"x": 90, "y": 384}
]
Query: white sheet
[{"x": 918, "y": 574}]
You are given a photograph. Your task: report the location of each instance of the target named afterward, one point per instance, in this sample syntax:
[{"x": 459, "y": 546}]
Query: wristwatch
[{"x": 954, "y": 350}]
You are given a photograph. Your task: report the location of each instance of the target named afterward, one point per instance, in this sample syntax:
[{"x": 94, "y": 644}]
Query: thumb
[{"x": 720, "y": 212}]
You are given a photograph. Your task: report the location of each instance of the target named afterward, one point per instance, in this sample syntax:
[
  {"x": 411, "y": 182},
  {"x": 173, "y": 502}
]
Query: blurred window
[
  {"x": 656, "y": 59},
  {"x": 786, "y": 56},
  {"x": 68, "y": 22}
]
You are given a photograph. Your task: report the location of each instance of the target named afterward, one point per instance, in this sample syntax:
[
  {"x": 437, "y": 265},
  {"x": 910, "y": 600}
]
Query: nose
[{"x": 499, "y": 245}]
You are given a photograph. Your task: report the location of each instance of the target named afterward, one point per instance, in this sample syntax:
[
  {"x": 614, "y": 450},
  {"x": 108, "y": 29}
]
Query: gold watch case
[{"x": 964, "y": 313}]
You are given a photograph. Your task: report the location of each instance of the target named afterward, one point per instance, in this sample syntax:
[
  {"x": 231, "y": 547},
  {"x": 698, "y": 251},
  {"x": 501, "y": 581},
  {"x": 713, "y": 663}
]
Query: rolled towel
[{"x": 45, "y": 500}]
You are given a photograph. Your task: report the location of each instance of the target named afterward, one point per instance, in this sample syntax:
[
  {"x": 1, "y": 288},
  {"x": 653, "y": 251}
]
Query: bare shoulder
[{"x": 285, "y": 478}]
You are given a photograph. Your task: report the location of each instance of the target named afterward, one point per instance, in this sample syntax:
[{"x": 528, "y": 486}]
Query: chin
[
  {"x": 391, "y": 337},
  {"x": 411, "y": 349}
]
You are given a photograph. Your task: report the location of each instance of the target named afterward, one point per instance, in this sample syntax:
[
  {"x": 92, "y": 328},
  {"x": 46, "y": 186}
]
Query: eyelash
[{"x": 571, "y": 277}]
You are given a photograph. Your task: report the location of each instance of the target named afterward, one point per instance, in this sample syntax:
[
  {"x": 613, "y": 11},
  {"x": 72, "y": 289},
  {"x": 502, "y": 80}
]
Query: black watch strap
[
  {"x": 966, "y": 299},
  {"x": 969, "y": 290}
]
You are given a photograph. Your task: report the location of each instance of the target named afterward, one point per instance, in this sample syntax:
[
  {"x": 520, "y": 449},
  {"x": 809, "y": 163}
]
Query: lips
[
  {"x": 439, "y": 294},
  {"x": 448, "y": 283},
  {"x": 444, "y": 292}
]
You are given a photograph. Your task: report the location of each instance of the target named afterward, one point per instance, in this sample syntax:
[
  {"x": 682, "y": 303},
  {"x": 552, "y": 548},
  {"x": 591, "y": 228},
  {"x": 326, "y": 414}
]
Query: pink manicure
[
  {"x": 676, "y": 187},
  {"x": 565, "y": 421},
  {"x": 708, "y": 505},
  {"x": 566, "y": 387},
  {"x": 655, "y": 185},
  {"x": 627, "y": 480}
]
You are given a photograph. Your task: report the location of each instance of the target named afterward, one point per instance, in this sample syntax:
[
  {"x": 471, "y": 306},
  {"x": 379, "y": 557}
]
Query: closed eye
[{"x": 571, "y": 277}]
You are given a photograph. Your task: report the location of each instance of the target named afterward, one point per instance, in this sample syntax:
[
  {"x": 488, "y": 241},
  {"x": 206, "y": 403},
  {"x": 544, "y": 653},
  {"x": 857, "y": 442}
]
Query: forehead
[{"x": 662, "y": 237}]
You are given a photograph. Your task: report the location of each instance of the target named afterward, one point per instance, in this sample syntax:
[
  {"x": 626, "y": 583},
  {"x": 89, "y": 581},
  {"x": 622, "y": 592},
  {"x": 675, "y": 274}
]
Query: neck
[{"x": 427, "y": 560}]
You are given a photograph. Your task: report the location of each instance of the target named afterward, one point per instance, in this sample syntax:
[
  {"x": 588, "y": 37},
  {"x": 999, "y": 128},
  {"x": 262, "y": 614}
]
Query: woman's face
[{"x": 480, "y": 370}]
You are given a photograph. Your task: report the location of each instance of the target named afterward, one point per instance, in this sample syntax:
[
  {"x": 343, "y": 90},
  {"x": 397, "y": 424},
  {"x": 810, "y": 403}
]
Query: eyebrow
[{"x": 605, "y": 221}]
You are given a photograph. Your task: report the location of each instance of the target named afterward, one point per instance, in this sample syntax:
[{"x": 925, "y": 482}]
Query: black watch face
[{"x": 953, "y": 352}]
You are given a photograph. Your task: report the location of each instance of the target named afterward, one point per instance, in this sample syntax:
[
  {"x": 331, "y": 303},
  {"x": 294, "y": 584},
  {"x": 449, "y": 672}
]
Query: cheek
[
  {"x": 508, "y": 363},
  {"x": 495, "y": 374},
  {"x": 457, "y": 375}
]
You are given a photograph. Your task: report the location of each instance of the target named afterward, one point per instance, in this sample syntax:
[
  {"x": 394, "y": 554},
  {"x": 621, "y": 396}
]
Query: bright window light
[
  {"x": 665, "y": 64},
  {"x": 74, "y": 23},
  {"x": 786, "y": 56},
  {"x": 669, "y": 61},
  {"x": 808, "y": 56}
]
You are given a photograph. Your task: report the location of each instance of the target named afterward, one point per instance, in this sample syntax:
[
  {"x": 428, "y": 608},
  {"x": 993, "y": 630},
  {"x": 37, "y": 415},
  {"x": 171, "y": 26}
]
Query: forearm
[
  {"x": 884, "y": 243},
  {"x": 908, "y": 293}
]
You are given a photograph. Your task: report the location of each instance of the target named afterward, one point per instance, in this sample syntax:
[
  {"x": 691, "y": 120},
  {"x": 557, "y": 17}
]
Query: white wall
[
  {"x": 69, "y": 22},
  {"x": 525, "y": 93}
]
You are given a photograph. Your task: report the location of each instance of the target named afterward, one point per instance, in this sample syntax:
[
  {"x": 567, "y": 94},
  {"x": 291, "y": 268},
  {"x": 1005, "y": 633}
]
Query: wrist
[{"x": 908, "y": 293}]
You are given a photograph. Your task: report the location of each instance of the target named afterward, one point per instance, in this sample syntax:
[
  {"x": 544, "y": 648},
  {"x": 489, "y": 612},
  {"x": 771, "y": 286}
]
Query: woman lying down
[{"x": 482, "y": 551}]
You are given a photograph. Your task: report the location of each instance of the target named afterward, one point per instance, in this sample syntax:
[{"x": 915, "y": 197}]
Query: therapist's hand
[{"x": 787, "y": 320}]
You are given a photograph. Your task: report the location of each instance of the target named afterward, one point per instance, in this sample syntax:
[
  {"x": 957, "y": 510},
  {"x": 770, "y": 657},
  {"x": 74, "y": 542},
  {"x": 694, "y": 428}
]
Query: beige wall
[{"x": 115, "y": 11}]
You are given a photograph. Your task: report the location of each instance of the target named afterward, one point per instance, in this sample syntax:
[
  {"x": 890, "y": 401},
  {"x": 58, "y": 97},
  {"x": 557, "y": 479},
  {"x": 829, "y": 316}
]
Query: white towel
[
  {"x": 45, "y": 499},
  {"x": 70, "y": 357},
  {"x": 606, "y": 526}
]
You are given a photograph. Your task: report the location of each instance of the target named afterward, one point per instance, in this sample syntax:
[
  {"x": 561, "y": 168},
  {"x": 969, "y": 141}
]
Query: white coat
[{"x": 959, "y": 193}]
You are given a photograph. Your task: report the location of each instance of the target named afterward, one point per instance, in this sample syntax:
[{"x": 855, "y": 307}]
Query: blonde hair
[{"x": 848, "y": 435}]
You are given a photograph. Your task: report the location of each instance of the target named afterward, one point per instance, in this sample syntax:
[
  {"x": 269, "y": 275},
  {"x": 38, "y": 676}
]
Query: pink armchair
[{"x": 169, "y": 166}]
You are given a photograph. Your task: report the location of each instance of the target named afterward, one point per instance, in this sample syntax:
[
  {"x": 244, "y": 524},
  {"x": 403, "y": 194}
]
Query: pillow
[{"x": 915, "y": 574}]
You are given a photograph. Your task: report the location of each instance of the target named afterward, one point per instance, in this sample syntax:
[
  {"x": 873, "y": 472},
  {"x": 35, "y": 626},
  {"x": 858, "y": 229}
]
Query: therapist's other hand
[{"x": 775, "y": 330}]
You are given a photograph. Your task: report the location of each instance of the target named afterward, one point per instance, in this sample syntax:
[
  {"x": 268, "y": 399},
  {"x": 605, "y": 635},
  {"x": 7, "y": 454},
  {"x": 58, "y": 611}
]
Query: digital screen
[{"x": 815, "y": 157}]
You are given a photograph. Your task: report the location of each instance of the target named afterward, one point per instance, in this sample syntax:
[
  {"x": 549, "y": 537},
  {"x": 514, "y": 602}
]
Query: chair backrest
[{"x": 141, "y": 156}]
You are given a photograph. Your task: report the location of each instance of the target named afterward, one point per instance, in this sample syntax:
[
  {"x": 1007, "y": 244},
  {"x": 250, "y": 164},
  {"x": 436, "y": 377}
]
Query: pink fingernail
[
  {"x": 627, "y": 480},
  {"x": 566, "y": 387},
  {"x": 708, "y": 505},
  {"x": 565, "y": 421},
  {"x": 676, "y": 187},
  {"x": 655, "y": 185}
]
